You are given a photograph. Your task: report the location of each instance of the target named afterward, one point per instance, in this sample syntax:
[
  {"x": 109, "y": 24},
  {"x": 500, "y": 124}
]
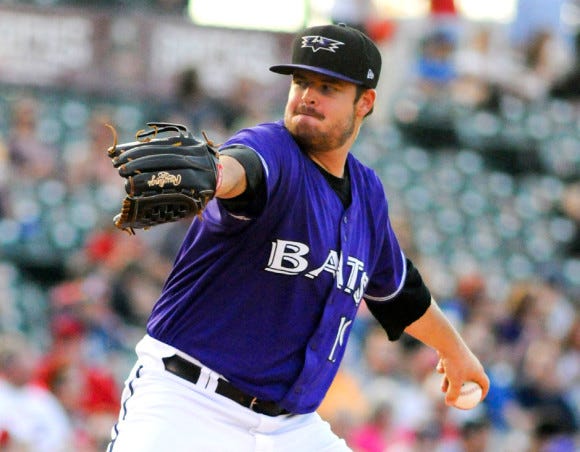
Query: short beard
[{"x": 313, "y": 141}]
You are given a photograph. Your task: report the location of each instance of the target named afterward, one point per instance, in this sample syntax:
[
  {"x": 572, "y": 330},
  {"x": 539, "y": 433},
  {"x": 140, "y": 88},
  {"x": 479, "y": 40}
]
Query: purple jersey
[{"x": 296, "y": 276}]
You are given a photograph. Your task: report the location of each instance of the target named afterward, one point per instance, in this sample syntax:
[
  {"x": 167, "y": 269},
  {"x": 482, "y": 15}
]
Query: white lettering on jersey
[
  {"x": 358, "y": 293},
  {"x": 356, "y": 265},
  {"x": 290, "y": 258},
  {"x": 286, "y": 257},
  {"x": 339, "y": 340},
  {"x": 332, "y": 265}
]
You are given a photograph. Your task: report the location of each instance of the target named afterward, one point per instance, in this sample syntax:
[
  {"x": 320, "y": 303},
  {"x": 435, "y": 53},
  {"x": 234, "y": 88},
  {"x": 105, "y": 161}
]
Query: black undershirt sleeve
[
  {"x": 407, "y": 306},
  {"x": 252, "y": 200}
]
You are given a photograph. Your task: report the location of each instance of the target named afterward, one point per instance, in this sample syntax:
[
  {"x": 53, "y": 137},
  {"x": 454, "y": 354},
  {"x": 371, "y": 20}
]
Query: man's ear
[{"x": 366, "y": 102}]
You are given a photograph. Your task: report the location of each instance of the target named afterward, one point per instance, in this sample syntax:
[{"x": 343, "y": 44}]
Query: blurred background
[{"x": 476, "y": 136}]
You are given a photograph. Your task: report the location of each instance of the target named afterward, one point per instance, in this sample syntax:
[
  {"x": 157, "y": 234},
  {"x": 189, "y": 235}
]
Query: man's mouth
[{"x": 309, "y": 112}]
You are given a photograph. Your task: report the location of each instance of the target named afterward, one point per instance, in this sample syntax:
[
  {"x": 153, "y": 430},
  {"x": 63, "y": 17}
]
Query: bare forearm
[
  {"x": 456, "y": 361},
  {"x": 436, "y": 331},
  {"x": 233, "y": 181}
]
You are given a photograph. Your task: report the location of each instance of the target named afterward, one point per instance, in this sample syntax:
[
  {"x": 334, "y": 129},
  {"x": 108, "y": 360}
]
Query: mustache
[{"x": 309, "y": 111}]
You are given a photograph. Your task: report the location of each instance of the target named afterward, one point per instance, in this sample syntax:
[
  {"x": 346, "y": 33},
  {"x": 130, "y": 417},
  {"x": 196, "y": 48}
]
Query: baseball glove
[{"x": 166, "y": 178}]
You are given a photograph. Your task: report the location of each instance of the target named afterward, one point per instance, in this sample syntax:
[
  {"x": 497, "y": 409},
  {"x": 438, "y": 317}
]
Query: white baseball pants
[{"x": 163, "y": 412}]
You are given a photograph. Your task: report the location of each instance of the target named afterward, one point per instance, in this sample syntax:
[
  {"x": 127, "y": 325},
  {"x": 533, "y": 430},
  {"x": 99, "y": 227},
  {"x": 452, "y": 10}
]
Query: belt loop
[
  {"x": 203, "y": 378},
  {"x": 252, "y": 403},
  {"x": 212, "y": 379}
]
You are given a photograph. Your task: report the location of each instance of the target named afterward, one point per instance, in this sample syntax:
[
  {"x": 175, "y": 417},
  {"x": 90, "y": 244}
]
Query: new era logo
[
  {"x": 370, "y": 74},
  {"x": 317, "y": 43}
]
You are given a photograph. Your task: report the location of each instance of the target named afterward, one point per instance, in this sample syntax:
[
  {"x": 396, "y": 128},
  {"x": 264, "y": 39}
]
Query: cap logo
[
  {"x": 317, "y": 43},
  {"x": 370, "y": 74}
]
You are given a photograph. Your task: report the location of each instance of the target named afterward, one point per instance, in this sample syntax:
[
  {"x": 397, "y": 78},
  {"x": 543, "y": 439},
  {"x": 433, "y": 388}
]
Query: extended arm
[{"x": 415, "y": 312}]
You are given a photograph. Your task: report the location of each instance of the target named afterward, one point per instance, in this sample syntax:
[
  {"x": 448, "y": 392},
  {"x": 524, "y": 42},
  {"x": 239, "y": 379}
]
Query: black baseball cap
[{"x": 338, "y": 51}]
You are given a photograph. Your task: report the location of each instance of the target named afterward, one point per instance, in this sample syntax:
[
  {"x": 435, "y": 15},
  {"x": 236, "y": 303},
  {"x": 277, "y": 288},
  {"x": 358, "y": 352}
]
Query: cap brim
[{"x": 290, "y": 68}]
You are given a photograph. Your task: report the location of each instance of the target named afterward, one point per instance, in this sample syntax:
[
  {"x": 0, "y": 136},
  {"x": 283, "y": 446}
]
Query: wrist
[{"x": 219, "y": 173}]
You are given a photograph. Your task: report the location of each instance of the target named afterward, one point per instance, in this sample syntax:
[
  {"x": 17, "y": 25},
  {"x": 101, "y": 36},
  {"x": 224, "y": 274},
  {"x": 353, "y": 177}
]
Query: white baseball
[{"x": 469, "y": 396}]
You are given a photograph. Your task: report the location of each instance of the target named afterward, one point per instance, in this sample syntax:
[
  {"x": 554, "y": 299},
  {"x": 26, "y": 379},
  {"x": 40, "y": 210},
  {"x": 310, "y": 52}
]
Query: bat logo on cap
[{"x": 317, "y": 43}]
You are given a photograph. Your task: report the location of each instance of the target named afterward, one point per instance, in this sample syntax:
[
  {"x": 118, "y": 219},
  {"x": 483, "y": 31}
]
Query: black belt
[{"x": 191, "y": 372}]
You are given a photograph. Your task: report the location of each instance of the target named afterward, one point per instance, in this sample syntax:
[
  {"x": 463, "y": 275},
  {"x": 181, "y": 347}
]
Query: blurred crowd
[{"x": 75, "y": 292}]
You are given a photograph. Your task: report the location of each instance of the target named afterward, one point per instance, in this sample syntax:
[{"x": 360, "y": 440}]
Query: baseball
[{"x": 469, "y": 396}]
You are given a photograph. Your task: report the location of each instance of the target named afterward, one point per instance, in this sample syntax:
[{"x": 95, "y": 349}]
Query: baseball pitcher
[{"x": 290, "y": 234}]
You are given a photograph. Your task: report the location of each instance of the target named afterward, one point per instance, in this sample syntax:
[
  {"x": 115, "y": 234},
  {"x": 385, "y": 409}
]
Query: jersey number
[{"x": 339, "y": 340}]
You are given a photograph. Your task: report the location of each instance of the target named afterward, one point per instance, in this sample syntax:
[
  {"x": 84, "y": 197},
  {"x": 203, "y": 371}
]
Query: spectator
[
  {"x": 86, "y": 390},
  {"x": 86, "y": 166},
  {"x": 30, "y": 157},
  {"x": 539, "y": 391},
  {"x": 484, "y": 63},
  {"x": 543, "y": 62},
  {"x": 380, "y": 358},
  {"x": 550, "y": 433},
  {"x": 416, "y": 403},
  {"x": 379, "y": 433},
  {"x": 245, "y": 104},
  {"x": 30, "y": 416},
  {"x": 133, "y": 292},
  {"x": 475, "y": 436},
  {"x": 423, "y": 110},
  {"x": 436, "y": 66},
  {"x": 196, "y": 109},
  {"x": 522, "y": 320}
]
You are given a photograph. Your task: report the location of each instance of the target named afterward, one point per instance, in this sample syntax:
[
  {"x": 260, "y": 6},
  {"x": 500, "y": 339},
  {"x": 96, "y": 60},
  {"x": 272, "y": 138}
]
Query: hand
[
  {"x": 458, "y": 369},
  {"x": 166, "y": 178}
]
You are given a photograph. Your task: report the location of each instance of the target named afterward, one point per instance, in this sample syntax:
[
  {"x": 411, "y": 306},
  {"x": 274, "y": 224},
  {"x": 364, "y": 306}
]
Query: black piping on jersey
[
  {"x": 124, "y": 408},
  {"x": 407, "y": 306}
]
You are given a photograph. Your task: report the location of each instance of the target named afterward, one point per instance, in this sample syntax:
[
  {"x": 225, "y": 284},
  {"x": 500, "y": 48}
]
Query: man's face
[{"x": 321, "y": 111}]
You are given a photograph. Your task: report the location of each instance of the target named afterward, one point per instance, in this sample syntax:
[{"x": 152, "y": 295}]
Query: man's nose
[{"x": 309, "y": 96}]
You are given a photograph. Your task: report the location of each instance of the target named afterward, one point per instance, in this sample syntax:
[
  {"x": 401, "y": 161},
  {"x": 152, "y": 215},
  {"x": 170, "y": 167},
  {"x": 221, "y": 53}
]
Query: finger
[
  {"x": 444, "y": 384},
  {"x": 440, "y": 368},
  {"x": 453, "y": 390},
  {"x": 484, "y": 383}
]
